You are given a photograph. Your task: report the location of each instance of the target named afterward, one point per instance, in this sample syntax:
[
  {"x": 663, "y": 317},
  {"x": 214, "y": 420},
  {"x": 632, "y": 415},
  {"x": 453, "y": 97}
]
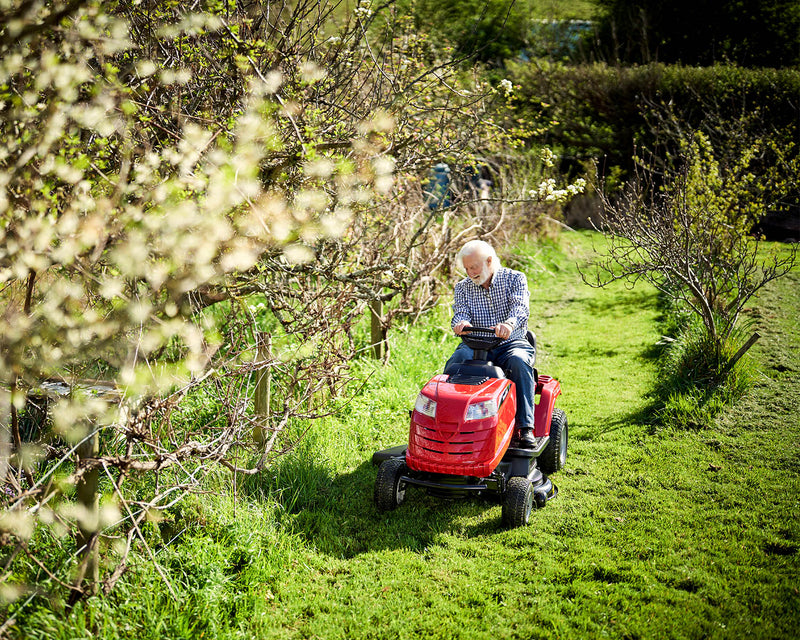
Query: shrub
[
  {"x": 605, "y": 112},
  {"x": 695, "y": 382}
]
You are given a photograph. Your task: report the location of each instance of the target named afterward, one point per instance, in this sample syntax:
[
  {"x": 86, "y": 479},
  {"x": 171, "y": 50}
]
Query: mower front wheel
[
  {"x": 389, "y": 490},
  {"x": 518, "y": 502}
]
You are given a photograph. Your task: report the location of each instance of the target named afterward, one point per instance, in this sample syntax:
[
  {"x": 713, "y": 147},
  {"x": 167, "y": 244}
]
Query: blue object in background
[
  {"x": 556, "y": 39},
  {"x": 438, "y": 188}
]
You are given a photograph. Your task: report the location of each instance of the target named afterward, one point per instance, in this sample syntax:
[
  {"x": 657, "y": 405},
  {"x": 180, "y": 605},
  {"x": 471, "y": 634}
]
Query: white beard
[{"x": 483, "y": 276}]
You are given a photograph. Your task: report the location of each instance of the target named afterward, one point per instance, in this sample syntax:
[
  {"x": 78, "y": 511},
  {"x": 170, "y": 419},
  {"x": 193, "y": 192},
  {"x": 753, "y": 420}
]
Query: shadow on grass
[
  {"x": 674, "y": 402},
  {"x": 644, "y": 416},
  {"x": 620, "y": 303},
  {"x": 336, "y": 514},
  {"x": 647, "y": 414}
]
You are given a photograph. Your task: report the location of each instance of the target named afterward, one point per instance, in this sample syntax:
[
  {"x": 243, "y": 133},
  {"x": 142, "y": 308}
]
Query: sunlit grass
[{"x": 665, "y": 534}]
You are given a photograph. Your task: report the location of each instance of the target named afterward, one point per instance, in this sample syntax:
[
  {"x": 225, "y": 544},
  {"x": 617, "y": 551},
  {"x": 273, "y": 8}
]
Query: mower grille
[{"x": 447, "y": 440}]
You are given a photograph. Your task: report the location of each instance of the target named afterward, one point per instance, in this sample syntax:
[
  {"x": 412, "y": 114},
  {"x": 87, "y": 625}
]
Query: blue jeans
[{"x": 517, "y": 358}]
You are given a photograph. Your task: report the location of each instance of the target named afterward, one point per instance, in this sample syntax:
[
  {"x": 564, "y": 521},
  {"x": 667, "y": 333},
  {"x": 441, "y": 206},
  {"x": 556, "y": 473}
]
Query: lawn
[{"x": 655, "y": 533}]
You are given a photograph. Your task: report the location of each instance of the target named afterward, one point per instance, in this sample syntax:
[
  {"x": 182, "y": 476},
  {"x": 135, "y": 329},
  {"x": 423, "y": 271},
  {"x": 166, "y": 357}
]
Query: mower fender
[
  {"x": 397, "y": 451},
  {"x": 548, "y": 389}
]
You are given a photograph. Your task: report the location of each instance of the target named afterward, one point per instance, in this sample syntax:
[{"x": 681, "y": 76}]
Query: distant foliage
[
  {"x": 610, "y": 114},
  {"x": 752, "y": 33},
  {"x": 489, "y": 32}
]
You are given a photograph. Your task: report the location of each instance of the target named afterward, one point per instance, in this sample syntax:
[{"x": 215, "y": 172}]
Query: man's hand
[
  {"x": 503, "y": 330},
  {"x": 459, "y": 328}
]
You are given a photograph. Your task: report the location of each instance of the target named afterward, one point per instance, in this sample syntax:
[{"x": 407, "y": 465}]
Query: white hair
[{"x": 478, "y": 248}]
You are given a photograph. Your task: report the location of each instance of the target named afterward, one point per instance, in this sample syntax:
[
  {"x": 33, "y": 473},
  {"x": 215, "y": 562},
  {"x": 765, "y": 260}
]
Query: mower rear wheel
[
  {"x": 554, "y": 456},
  {"x": 389, "y": 491},
  {"x": 518, "y": 502}
]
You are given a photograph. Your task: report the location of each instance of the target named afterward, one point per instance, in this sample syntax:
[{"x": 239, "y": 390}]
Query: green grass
[{"x": 654, "y": 534}]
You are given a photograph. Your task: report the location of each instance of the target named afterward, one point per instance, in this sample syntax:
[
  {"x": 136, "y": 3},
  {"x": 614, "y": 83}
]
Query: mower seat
[{"x": 470, "y": 371}]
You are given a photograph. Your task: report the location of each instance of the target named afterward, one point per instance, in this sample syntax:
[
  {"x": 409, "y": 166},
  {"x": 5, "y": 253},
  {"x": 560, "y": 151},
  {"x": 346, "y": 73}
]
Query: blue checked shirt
[{"x": 507, "y": 300}]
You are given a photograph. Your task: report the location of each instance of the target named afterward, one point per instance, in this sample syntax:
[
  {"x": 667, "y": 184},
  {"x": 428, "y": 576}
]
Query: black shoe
[{"x": 525, "y": 439}]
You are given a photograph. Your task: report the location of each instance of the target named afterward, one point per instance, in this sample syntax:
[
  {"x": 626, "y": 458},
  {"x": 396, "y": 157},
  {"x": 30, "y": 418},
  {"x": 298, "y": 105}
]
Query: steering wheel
[{"x": 480, "y": 338}]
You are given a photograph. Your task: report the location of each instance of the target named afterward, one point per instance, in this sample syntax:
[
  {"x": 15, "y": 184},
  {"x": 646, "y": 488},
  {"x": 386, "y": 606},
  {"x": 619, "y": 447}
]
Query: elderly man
[{"x": 497, "y": 297}]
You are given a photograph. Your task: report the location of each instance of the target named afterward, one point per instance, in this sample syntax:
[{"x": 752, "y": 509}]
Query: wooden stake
[
  {"x": 5, "y": 432},
  {"x": 745, "y": 348},
  {"x": 262, "y": 397},
  {"x": 377, "y": 335},
  {"x": 86, "y": 493}
]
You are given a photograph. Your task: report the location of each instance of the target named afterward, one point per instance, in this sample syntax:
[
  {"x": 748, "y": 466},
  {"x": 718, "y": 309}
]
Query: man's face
[{"x": 478, "y": 269}]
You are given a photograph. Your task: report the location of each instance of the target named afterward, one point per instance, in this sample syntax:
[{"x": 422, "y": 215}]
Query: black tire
[
  {"x": 518, "y": 502},
  {"x": 554, "y": 456},
  {"x": 389, "y": 491}
]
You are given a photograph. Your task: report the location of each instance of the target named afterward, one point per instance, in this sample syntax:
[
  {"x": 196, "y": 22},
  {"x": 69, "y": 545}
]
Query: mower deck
[{"x": 515, "y": 463}]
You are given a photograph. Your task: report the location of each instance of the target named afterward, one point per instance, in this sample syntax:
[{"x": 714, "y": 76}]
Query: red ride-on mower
[{"x": 460, "y": 440}]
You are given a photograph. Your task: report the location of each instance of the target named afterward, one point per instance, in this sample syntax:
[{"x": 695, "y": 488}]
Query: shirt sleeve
[
  {"x": 461, "y": 310},
  {"x": 519, "y": 301}
]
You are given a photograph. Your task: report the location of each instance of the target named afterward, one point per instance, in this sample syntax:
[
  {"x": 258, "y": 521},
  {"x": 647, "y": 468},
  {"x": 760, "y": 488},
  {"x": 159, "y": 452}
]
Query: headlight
[
  {"x": 425, "y": 406},
  {"x": 481, "y": 410}
]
